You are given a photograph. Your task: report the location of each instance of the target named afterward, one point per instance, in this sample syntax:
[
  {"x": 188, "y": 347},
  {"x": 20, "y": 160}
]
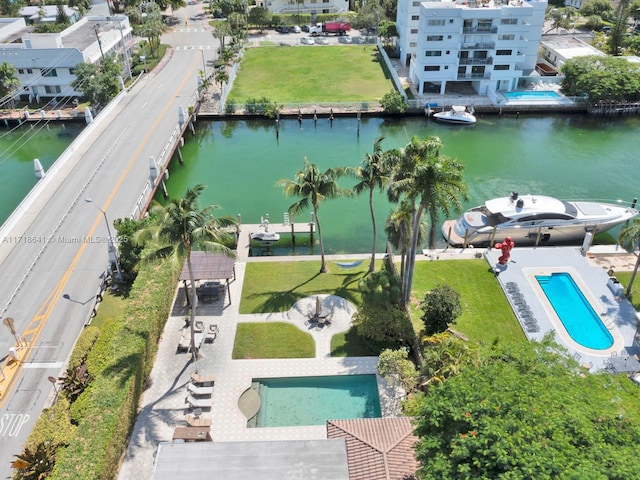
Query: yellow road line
[{"x": 36, "y": 325}]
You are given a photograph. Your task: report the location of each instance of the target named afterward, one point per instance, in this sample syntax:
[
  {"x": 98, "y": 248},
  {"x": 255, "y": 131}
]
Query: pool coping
[{"x": 596, "y": 305}]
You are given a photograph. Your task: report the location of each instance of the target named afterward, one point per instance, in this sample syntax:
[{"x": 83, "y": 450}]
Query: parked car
[
  {"x": 321, "y": 41},
  {"x": 282, "y": 29},
  {"x": 344, "y": 39},
  {"x": 307, "y": 41},
  {"x": 305, "y": 28},
  {"x": 295, "y": 29},
  {"x": 431, "y": 87}
]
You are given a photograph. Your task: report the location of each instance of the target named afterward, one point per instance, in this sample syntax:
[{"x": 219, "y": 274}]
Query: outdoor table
[{"x": 192, "y": 434}]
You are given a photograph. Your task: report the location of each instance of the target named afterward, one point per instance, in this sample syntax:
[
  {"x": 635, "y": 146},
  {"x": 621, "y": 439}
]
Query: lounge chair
[
  {"x": 198, "y": 326},
  {"x": 199, "y": 390},
  {"x": 201, "y": 379},
  {"x": 199, "y": 402}
]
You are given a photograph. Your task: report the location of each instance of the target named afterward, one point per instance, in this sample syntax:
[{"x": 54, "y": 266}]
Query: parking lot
[{"x": 305, "y": 39}]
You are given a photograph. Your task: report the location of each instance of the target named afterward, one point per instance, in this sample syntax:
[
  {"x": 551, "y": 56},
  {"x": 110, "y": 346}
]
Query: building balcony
[
  {"x": 480, "y": 30},
  {"x": 473, "y": 76},
  {"x": 478, "y": 46},
  {"x": 476, "y": 61}
]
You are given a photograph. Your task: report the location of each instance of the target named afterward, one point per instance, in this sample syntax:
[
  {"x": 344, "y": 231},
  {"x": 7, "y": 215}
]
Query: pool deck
[
  {"x": 615, "y": 311},
  {"x": 163, "y": 404}
]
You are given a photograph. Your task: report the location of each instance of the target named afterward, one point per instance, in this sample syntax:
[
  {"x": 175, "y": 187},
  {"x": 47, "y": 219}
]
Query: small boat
[
  {"x": 533, "y": 220},
  {"x": 265, "y": 237},
  {"x": 458, "y": 115}
]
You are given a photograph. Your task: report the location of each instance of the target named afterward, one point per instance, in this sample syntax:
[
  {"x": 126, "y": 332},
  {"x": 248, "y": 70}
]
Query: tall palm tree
[
  {"x": 179, "y": 228},
  {"x": 313, "y": 187},
  {"x": 398, "y": 230},
  {"x": 430, "y": 182},
  {"x": 373, "y": 173},
  {"x": 630, "y": 239}
]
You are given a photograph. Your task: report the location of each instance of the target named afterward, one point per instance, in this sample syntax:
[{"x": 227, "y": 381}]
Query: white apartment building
[
  {"x": 46, "y": 61},
  {"x": 304, "y": 6},
  {"x": 491, "y": 45}
]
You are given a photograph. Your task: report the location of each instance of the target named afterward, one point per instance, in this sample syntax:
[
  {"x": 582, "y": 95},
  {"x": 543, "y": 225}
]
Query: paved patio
[
  {"x": 615, "y": 311},
  {"x": 163, "y": 403}
]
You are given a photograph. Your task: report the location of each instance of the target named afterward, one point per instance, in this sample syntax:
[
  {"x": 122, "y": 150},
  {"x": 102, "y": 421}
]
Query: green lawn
[
  {"x": 624, "y": 278},
  {"x": 311, "y": 74},
  {"x": 276, "y": 286},
  {"x": 272, "y": 340},
  {"x": 112, "y": 306},
  {"x": 486, "y": 314}
]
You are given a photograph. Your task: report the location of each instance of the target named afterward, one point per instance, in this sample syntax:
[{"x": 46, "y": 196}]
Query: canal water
[
  {"x": 571, "y": 157},
  {"x": 18, "y": 148}
]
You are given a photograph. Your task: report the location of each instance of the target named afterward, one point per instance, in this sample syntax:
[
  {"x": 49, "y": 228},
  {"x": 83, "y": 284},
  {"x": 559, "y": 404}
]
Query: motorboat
[
  {"x": 458, "y": 115},
  {"x": 265, "y": 237},
  {"x": 534, "y": 220}
]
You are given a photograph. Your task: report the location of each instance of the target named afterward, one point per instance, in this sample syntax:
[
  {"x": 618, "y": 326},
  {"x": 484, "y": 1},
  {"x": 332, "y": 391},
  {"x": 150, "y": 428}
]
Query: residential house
[
  {"x": 305, "y": 6},
  {"x": 46, "y": 61}
]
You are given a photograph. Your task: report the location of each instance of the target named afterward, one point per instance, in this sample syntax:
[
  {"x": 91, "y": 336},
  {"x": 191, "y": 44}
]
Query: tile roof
[{"x": 377, "y": 448}]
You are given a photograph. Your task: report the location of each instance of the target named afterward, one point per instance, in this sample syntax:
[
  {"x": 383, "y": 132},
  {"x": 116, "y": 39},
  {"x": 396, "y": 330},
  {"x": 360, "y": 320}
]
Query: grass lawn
[
  {"x": 272, "y": 340},
  {"x": 624, "y": 278},
  {"x": 486, "y": 313},
  {"x": 311, "y": 74},
  {"x": 112, "y": 306},
  {"x": 276, "y": 286}
]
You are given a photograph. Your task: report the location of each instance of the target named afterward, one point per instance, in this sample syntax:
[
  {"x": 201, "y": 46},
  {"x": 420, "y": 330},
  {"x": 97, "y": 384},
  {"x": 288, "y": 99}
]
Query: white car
[
  {"x": 344, "y": 39},
  {"x": 321, "y": 41},
  {"x": 307, "y": 41}
]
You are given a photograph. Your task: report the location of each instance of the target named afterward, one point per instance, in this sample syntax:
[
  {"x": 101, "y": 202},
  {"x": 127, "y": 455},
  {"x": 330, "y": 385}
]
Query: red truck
[{"x": 337, "y": 27}]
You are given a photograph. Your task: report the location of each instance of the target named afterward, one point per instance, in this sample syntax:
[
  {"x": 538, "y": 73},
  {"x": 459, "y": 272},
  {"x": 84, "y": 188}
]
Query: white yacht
[
  {"x": 533, "y": 220},
  {"x": 458, "y": 115}
]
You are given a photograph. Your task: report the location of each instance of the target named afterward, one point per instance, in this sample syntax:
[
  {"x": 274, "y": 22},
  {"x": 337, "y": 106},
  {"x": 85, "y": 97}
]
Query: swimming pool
[
  {"x": 574, "y": 311},
  {"x": 533, "y": 95},
  {"x": 298, "y": 401}
]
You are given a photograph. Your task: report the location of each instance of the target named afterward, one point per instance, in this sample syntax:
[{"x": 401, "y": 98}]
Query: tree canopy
[
  {"x": 528, "y": 411},
  {"x": 601, "y": 78},
  {"x": 98, "y": 83}
]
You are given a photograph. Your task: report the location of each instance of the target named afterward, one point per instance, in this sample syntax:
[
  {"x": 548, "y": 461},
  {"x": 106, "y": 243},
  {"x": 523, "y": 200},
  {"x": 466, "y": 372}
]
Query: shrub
[{"x": 393, "y": 103}]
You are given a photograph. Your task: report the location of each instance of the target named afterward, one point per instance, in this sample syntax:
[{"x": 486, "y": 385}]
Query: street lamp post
[{"x": 111, "y": 246}]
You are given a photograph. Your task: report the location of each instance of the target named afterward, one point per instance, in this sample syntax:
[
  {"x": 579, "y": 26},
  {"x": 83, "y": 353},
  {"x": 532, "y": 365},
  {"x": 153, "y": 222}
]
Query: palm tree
[
  {"x": 430, "y": 182},
  {"x": 374, "y": 173},
  {"x": 630, "y": 239},
  {"x": 398, "y": 230},
  {"x": 313, "y": 187},
  {"x": 178, "y": 229}
]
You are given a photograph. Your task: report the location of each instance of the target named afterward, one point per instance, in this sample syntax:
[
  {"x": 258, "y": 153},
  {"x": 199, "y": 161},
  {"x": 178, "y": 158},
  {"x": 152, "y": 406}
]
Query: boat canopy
[{"x": 527, "y": 205}]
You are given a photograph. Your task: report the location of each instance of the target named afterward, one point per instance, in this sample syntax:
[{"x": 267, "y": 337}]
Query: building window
[
  {"x": 29, "y": 71},
  {"x": 510, "y": 36},
  {"x": 503, "y": 52},
  {"x": 49, "y": 72},
  {"x": 416, "y": 4},
  {"x": 484, "y": 25},
  {"x": 414, "y": 31},
  {"x": 52, "y": 88},
  {"x": 509, "y": 21},
  {"x": 21, "y": 71},
  {"x": 436, "y": 22},
  {"x": 413, "y": 44},
  {"x": 451, "y": 20},
  {"x": 434, "y": 38},
  {"x": 432, "y": 68},
  {"x": 415, "y": 17},
  {"x": 501, "y": 67},
  {"x": 433, "y": 53},
  {"x": 72, "y": 71}
]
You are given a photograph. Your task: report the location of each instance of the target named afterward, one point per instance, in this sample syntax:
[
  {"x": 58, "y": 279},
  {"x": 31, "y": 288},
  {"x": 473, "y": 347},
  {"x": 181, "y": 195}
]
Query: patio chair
[
  {"x": 199, "y": 402},
  {"x": 201, "y": 379},
  {"x": 199, "y": 390},
  {"x": 198, "y": 326}
]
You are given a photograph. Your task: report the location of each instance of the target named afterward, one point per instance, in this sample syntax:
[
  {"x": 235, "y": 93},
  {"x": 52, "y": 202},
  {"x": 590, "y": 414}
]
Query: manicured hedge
[{"x": 120, "y": 360}]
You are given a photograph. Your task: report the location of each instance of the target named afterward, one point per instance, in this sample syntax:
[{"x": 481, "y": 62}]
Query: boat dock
[{"x": 292, "y": 230}]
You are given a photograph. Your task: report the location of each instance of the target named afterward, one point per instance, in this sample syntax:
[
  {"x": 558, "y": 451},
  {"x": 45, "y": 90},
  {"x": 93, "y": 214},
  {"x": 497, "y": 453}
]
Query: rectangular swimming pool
[
  {"x": 533, "y": 95},
  {"x": 574, "y": 311},
  {"x": 300, "y": 401}
]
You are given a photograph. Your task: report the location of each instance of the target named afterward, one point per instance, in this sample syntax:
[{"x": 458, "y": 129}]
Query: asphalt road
[{"x": 52, "y": 265}]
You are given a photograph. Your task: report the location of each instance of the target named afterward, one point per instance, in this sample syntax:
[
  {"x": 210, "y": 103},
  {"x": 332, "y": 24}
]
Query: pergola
[{"x": 210, "y": 266}]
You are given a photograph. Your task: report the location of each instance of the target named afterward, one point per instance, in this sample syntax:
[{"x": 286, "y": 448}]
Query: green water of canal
[
  {"x": 18, "y": 148},
  {"x": 571, "y": 157}
]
